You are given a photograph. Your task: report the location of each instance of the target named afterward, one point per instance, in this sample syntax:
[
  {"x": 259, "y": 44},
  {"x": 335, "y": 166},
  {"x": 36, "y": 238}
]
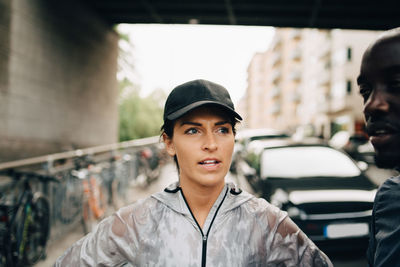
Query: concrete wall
[
  {"x": 59, "y": 90},
  {"x": 5, "y": 7}
]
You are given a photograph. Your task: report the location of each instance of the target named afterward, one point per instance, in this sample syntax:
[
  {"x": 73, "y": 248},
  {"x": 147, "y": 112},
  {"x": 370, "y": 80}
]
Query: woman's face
[{"x": 203, "y": 142}]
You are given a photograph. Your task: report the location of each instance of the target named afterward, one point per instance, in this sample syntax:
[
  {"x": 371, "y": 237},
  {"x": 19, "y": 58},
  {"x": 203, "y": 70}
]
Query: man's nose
[
  {"x": 210, "y": 142},
  {"x": 376, "y": 103}
]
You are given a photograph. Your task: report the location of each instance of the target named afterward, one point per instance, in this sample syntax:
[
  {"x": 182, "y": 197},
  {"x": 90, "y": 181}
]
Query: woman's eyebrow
[
  {"x": 190, "y": 123},
  {"x": 199, "y": 124},
  {"x": 221, "y": 123}
]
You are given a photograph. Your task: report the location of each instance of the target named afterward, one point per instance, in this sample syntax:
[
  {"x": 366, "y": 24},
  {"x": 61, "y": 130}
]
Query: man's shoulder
[
  {"x": 389, "y": 192},
  {"x": 392, "y": 183}
]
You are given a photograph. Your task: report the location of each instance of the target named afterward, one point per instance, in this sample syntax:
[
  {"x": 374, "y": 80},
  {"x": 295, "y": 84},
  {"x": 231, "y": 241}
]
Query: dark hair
[{"x": 168, "y": 129}]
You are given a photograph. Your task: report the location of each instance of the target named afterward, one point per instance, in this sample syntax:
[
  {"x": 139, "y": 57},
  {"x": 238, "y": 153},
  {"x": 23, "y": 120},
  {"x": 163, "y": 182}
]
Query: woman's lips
[{"x": 210, "y": 164}]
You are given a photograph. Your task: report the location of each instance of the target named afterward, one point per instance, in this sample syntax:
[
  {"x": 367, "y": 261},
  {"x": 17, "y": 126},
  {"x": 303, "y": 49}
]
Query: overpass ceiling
[{"x": 325, "y": 14}]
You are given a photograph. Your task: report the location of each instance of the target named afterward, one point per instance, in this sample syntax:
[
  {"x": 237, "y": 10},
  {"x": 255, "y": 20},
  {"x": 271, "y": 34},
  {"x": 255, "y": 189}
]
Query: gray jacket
[{"x": 240, "y": 230}]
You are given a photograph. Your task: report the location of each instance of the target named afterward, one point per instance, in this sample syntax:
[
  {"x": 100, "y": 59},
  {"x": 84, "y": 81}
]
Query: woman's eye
[
  {"x": 191, "y": 131},
  {"x": 223, "y": 130}
]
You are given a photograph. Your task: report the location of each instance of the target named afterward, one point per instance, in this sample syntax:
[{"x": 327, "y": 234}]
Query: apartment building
[{"x": 306, "y": 79}]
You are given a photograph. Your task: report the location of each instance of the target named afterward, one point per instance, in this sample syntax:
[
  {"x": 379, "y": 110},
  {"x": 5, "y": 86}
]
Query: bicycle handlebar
[{"x": 42, "y": 177}]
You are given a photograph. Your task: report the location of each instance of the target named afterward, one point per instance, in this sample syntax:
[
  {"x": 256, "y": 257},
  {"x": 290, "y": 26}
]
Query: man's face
[{"x": 379, "y": 83}]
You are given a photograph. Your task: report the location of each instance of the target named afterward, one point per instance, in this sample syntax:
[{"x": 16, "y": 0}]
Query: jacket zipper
[
  {"x": 204, "y": 253},
  {"x": 204, "y": 236}
]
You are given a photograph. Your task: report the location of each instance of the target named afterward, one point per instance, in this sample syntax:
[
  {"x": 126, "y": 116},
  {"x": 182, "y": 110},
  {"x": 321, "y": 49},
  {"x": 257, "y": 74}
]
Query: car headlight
[{"x": 295, "y": 212}]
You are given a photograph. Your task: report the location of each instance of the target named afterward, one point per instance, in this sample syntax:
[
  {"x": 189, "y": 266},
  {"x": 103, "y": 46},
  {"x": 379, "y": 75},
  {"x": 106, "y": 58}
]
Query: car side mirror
[
  {"x": 246, "y": 170},
  {"x": 362, "y": 165}
]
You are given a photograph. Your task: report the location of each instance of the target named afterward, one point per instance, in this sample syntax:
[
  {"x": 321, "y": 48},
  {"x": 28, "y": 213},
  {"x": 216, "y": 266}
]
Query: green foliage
[
  {"x": 254, "y": 161},
  {"x": 139, "y": 117}
]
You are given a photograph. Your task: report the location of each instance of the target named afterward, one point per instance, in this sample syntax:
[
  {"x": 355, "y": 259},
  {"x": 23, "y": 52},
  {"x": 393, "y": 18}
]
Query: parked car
[
  {"x": 357, "y": 146},
  {"x": 245, "y": 136},
  {"x": 322, "y": 189}
]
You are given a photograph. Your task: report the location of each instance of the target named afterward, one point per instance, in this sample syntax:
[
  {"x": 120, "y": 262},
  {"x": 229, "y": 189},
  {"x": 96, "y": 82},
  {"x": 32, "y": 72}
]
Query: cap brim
[{"x": 179, "y": 113}]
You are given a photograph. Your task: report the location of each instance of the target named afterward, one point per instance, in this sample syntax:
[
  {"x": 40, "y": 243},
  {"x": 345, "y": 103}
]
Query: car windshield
[{"x": 306, "y": 161}]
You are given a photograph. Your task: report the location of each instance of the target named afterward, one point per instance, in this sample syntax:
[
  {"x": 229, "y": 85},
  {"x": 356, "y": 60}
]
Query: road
[{"x": 169, "y": 175}]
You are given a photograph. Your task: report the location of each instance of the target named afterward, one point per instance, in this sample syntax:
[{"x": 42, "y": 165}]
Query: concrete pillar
[
  {"x": 60, "y": 91},
  {"x": 5, "y": 8}
]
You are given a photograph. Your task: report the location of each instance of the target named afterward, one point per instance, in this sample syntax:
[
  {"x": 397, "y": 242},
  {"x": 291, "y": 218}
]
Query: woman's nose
[{"x": 210, "y": 142}]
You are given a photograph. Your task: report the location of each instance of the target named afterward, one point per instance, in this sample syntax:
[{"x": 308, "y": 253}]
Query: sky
[{"x": 168, "y": 55}]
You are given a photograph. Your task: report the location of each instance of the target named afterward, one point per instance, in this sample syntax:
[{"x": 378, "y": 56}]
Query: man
[{"x": 379, "y": 83}]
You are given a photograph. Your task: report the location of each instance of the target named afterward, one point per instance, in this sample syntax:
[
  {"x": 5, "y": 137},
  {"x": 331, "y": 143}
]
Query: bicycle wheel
[
  {"x": 70, "y": 195},
  {"x": 38, "y": 230},
  {"x": 5, "y": 238},
  {"x": 89, "y": 221},
  {"x": 95, "y": 206}
]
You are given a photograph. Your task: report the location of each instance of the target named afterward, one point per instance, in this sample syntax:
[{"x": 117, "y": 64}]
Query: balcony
[
  {"x": 340, "y": 104},
  {"x": 275, "y": 76},
  {"x": 275, "y": 109},
  {"x": 295, "y": 34},
  {"x": 325, "y": 51},
  {"x": 276, "y": 42},
  {"x": 324, "y": 78},
  {"x": 296, "y": 54},
  {"x": 276, "y": 58},
  {"x": 276, "y": 91},
  {"x": 323, "y": 103},
  {"x": 295, "y": 97},
  {"x": 295, "y": 75}
]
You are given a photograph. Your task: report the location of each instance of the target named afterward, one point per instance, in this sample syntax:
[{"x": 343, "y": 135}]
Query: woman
[{"x": 199, "y": 220}]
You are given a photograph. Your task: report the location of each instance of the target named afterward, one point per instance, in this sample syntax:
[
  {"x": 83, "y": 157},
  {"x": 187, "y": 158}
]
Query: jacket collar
[{"x": 172, "y": 197}]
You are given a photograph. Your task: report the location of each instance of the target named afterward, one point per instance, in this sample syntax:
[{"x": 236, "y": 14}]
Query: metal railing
[{"x": 116, "y": 166}]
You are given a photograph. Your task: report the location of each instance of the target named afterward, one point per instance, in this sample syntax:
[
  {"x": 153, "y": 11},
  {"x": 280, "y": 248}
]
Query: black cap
[{"x": 193, "y": 94}]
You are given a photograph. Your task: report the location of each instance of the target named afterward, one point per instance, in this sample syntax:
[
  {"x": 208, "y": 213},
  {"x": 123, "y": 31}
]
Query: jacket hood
[{"x": 173, "y": 198}]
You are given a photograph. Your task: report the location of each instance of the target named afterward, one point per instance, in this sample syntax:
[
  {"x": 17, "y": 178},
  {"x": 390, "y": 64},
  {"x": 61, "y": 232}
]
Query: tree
[{"x": 140, "y": 117}]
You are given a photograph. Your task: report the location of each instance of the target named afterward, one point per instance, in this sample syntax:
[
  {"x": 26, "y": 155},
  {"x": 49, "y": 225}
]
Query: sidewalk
[{"x": 58, "y": 248}]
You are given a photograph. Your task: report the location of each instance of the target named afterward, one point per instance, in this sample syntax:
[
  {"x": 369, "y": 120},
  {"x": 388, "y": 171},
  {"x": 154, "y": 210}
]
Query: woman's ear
[{"x": 169, "y": 145}]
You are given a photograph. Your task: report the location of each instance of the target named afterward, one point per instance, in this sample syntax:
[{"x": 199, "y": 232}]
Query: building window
[
  {"x": 348, "y": 87},
  {"x": 349, "y": 53}
]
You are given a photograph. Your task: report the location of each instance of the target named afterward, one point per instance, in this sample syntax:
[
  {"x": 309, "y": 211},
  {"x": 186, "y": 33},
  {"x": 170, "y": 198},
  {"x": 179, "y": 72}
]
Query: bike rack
[{"x": 59, "y": 164}]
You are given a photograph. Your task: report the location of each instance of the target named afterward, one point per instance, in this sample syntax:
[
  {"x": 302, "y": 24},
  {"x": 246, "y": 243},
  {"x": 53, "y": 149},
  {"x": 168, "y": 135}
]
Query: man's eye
[
  {"x": 395, "y": 86},
  {"x": 365, "y": 91},
  {"x": 191, "y": 131}
]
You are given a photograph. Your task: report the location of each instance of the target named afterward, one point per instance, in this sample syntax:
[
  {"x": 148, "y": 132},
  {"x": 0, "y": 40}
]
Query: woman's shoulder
[
  {"x": 148, "y": 201},
  {"x": 257, "y": 206},
  {"x": 139, "y": 209}
]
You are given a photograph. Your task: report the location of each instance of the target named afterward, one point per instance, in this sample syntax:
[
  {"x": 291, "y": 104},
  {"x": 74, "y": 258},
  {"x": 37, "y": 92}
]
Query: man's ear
[{"x": 169, "y": 146}]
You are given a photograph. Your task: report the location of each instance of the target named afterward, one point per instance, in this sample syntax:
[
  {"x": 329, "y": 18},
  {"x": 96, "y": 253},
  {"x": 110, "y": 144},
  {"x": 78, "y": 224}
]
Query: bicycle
[
  {"x": 70, "y": 196},
  {"x": 116, "y": 175},
  {"x": 94, "y": 205},
  {"x": 24, "y": 222},
  {"x": 149, "y": 166}
]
